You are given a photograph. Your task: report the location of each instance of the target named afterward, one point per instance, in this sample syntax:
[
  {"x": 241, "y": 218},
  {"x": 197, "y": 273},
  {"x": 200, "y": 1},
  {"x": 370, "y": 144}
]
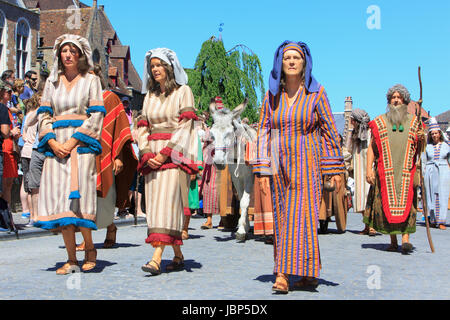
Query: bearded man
[{"x": 391, "y": 167}]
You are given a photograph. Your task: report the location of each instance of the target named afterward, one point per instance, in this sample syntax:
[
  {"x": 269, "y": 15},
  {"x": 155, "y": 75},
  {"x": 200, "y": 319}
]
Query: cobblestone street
[{"x": 218, "y": 267}]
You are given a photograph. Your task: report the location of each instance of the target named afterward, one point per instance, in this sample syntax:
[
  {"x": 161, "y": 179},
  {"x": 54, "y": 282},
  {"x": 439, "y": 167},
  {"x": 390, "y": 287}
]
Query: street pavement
[{"x": 218, "y": 267}]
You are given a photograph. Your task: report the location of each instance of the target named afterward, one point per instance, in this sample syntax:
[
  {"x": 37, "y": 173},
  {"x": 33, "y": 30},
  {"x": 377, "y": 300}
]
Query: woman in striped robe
[
  {"x": 70, "y": 122},
  {"x": 168, "y": 148},
  {"x": 291, "y": 159}
]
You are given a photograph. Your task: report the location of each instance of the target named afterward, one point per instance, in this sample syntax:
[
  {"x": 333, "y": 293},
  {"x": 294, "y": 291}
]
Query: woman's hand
[
  {"x": 58, "y": 149},
  {"x": 117, "y": 166},
  {"x": 157, "y": 161},
  {"x": 337, "y": 181},
  {"x": 70, "y": 144},
  {"x": 370, "y": 176},
  {"x": 264, "y": 184}
]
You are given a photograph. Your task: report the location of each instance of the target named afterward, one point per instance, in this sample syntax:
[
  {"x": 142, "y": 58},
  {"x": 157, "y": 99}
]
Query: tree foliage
[{"x": 232, "y": 75}]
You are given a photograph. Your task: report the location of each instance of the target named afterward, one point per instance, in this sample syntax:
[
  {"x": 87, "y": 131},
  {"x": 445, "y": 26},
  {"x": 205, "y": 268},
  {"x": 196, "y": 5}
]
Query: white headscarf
[
  {"x": 79, "y": 41},
  {"x": 170, "y": 58}
]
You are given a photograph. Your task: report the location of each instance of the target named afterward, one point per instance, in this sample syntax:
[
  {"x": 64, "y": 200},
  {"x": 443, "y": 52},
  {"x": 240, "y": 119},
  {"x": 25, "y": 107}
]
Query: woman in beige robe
[{"x": 168, "y": 147}]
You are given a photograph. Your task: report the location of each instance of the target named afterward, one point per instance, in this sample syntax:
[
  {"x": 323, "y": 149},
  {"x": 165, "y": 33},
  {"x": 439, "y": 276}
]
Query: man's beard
[{"x": 397, "y": 114}]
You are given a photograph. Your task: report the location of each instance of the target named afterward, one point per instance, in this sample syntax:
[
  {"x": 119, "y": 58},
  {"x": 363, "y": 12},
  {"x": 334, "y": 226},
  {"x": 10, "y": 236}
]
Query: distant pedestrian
[
  {"x": 358, "y": 143},
  {"x": 169, "y": 149},
  {"x": 436, "y": 169}
]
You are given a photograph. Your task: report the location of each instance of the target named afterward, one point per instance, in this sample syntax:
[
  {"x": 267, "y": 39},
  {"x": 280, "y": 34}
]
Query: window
[
  {"x": 2, "y": 42},
  {"x": 22, "y": 48}
]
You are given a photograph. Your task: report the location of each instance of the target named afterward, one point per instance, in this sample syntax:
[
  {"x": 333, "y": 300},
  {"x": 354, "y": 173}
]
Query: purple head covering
[{"x": 275, "y": 75}]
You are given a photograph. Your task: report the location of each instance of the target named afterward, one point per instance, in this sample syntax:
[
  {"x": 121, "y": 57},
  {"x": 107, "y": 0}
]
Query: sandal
[
  {"x": 184, "y": 235},
  {"x": 81, "y": 247},
  {"x": 407, "y": 247},
  {"x": 68, "y": 267},
  {"x": 372, "y": 232},
  {"x": 442, "y": 227},
  {"x": 110, "y": 240},
  {"x": 176, "y": 266},
  {"x": 90, "y": 259},
  {"x": 281, "y": 286},
  {"x": 306, "y": 282},
  {"x": 149, "y": 268},
  {"x": 206, "y": 226}
]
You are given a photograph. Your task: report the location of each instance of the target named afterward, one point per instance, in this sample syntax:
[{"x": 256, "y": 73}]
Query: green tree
[{"x": 232, "y": 75}]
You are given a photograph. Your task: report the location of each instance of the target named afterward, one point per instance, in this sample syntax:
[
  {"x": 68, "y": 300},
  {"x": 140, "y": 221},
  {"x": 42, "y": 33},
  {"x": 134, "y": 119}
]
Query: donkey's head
[{"x": 223, "y": 132}]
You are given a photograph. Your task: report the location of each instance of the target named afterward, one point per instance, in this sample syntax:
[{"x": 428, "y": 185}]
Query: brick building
[
  {"x": 58, "y": 17},
  {"x": 19, "y": 32}
]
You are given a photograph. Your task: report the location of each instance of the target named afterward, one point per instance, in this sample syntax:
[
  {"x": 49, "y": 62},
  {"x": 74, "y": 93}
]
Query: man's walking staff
[{"x": 422, "y": 185}]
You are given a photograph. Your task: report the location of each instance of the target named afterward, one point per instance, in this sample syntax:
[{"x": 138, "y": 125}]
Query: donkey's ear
[
  {"x": 212, "y": 106},
  {"x": 239, "y": 109}
]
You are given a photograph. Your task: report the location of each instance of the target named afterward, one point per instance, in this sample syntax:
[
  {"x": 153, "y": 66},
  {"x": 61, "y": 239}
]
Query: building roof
[
  {"x": 412, "y": 108},
  {"x": 118, "y": 51},
  {"x": 18, "y": 3},
  {"x": 52, "y": 4},
  {"x": 444, "y": 120},
  {"x": 134, "y": 79}
]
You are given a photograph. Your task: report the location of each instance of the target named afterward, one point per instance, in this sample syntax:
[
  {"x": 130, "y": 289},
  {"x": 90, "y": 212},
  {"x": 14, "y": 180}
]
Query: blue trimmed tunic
[{"x": 68, "y": 186}]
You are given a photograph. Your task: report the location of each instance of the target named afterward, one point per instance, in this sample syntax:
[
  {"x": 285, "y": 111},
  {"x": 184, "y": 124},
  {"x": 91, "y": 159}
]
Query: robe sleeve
[
  {"x": 331, "y": 160},
  {"x": 143, "y": 131},
  {"x": 182, "y": 147},
  {"x": 262, "y": 164},
  {"x": 90, "y": 131},
  {"x": 45, "y": 118}
]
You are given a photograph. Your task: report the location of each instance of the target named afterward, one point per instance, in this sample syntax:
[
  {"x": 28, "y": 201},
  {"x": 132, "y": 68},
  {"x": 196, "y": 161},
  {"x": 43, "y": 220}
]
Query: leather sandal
[
  {"x": 281, "y": 284},
  {"x": 174, "y": 265},
  {"x": 184, "y": 235},
  {"x": 69, "y": 267},
  {"x": 407, "y": 247},
  {"x": 206, "y": 226},
  {"x": 149, "y": 268},
  {"x": 442, "y": 227},
  {"x": 110, "y": 240},
  {"x": 372, "y": 232},
  {"x": 90, "y": 259}
]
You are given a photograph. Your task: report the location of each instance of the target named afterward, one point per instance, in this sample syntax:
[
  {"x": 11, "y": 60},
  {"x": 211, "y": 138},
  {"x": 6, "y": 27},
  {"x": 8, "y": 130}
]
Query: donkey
[{"x": 230, "y": 136}]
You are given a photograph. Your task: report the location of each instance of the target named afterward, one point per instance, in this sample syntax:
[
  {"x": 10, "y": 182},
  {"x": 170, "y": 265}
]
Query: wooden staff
[{"x": 422, "y": 184}]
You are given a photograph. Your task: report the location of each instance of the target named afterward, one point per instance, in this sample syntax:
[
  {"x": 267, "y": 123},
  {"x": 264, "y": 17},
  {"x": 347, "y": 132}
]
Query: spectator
[
  {"x": 31, "y": 80},
  {"x": 29, "y": 132},
  {"x": 5, "y": 122},
  {"x": 10, "y": 169}
]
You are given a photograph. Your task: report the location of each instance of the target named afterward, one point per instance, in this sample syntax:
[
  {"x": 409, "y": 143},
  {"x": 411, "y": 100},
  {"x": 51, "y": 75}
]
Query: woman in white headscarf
[
  {"x": 168, "y": 148},
  {"x": 70, "y": 123},
  {"x": 436, "y": 168}
]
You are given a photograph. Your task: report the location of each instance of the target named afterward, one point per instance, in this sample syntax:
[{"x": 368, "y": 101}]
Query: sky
[{"x": 359, "y": 48}]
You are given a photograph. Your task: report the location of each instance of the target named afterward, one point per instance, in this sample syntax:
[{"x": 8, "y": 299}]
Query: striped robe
[
  {"x": 210, "y": 176},
  {"x": 168, "y": 128},
  {"x": 68, "y": 193},
  {"x": 290, "y": 151},
  {"x": 359, "y": 162}
]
